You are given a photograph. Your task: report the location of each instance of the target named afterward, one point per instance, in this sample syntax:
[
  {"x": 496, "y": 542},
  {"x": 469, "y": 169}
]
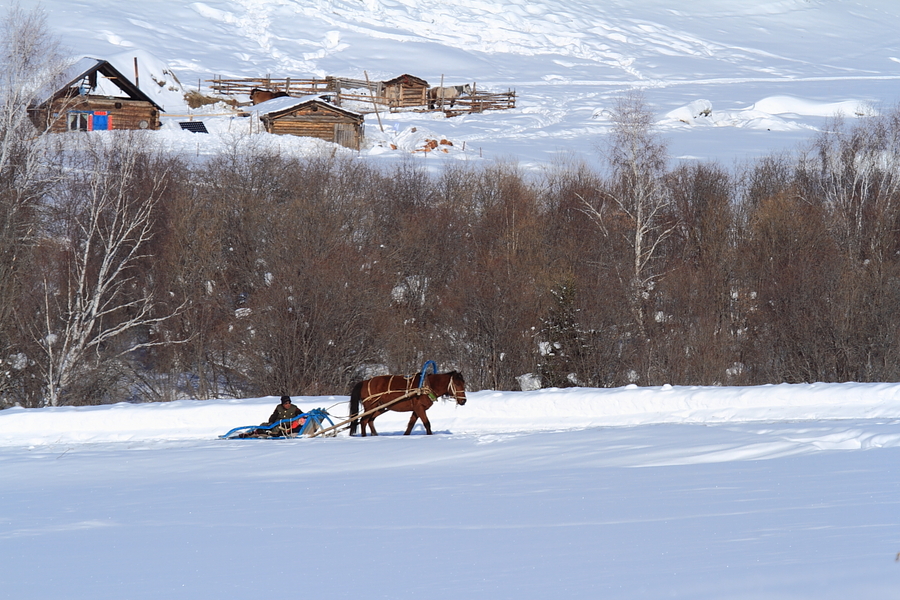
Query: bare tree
[
  {"x": 702, "y": 295},
  {"x": 854, "y": 173},
  {"x": 792, "y": 267},
  {"x": 103, "y": 222},
  {"x": 636, "y": 207},
  {"x": 30, "y": 61},
  {"x": 494, "y": 300}
]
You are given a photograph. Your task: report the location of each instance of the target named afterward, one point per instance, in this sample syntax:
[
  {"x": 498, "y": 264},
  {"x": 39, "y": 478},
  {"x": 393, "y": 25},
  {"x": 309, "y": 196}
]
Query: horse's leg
[
  {"x": 370, "y": 421},
  {"x": 363, "y": 422},
  {"x": 424, "y": 418},
  {"x": 355, "y": 401},
  {"x": 412, "y": 421},
  {"x": 419, "y": 409}
]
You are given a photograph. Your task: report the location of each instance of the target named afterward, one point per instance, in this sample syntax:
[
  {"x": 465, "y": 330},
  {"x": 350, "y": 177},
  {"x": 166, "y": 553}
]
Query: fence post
[{"x": 374, "y": 104}]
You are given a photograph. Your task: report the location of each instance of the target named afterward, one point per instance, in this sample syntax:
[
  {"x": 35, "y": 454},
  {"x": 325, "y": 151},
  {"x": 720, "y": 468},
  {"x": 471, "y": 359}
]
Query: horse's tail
[{"x": 354, "y": 406}]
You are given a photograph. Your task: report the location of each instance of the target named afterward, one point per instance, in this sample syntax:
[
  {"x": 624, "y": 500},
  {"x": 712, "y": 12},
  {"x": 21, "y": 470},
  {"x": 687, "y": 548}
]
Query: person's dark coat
[{"x": 284, "y": 412}]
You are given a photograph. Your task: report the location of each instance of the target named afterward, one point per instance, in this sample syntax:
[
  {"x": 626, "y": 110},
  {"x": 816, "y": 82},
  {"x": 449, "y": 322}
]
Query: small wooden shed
[
  {"x": 96, "y": 96},
  {"x": 312, "y": 116},
  {"x": 406, "y": 91}
]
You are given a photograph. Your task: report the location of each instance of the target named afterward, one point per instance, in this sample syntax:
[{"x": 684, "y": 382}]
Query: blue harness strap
[{"x": 425, "y": 370}]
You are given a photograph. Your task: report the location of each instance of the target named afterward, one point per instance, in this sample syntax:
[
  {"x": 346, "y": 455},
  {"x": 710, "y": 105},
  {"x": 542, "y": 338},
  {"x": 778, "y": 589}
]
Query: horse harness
[{"x": 408, "y": 390}]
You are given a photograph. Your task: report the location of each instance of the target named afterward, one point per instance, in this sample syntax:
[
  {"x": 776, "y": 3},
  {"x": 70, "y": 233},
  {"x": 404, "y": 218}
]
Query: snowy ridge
[{"x": 487, "y": 412}]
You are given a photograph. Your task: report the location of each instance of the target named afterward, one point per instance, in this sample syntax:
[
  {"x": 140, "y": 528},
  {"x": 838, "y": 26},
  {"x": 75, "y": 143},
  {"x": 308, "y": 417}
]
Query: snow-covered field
[
  {"x": 787, "y": 491},
  {"x": 769, "y": 492}
]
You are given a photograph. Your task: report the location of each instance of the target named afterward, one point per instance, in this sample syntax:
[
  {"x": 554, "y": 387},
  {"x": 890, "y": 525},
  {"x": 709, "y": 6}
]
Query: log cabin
[
  {"x": 406, "y": 91},
  {"x": 312, "y": 116},
  {"x": 96, "y": 96}
]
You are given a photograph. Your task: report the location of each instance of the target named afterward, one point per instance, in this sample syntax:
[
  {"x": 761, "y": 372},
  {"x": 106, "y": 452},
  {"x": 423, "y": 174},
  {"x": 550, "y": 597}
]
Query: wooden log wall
[
  {"x": 402, "y": 96},
  {"x": 331, "y": 127},
  {"x": 122, "y": 113}
]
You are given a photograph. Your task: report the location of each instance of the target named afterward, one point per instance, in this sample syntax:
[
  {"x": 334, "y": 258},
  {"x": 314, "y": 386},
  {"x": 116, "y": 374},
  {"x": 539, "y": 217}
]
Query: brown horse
[
  {"x": 380, "y": 390},
  {"x": 258, "y": 95}
]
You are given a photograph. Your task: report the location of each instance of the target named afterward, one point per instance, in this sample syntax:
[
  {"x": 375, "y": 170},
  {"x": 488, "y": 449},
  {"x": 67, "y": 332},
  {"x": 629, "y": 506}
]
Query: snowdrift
[{"x": 485, "y": 412}]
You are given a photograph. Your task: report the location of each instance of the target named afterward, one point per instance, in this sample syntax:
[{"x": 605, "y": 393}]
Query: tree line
[{"x": 131, "y": 273}]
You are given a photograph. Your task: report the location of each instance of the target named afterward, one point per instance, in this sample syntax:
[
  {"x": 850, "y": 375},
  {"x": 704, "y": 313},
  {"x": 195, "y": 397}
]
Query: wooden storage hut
[
  {"x": 312, "y": 116},
  {"x": 406, "y": 91},
  {"x": 96, "y": 96}
]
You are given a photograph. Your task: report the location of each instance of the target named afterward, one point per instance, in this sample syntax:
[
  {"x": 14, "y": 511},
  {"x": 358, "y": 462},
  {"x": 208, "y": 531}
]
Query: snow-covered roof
[
  {"x": 109, "y": 82},
  {"x": 277, "y": 106}
]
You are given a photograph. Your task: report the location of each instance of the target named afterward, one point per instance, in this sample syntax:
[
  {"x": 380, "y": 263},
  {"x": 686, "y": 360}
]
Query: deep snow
[{"x": 787, "y": 491}]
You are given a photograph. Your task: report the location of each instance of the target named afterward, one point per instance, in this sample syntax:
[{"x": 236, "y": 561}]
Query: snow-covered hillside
[{"x": 764, "y": 75}]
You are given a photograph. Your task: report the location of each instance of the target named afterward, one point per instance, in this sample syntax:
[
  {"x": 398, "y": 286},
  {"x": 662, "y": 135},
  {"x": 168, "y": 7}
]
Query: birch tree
[
  {"x": 637, "y": 202},
  {"x": 96, "y": 306},
  {"x": 31, "y": 63},
  {"x": 854, "y": 172}
]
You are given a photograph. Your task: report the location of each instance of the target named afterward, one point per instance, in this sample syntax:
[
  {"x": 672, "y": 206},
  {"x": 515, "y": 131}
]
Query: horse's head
[
  {"x": 467, "y": 89},
  {"x": 456, "y": 387}
]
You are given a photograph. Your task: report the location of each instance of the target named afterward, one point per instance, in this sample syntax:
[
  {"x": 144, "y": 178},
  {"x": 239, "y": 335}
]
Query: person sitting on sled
[{"x": 285, "y": 410}]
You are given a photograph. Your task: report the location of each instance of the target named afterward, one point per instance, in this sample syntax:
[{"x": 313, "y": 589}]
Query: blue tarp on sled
[{"x": 315, "y": 420}]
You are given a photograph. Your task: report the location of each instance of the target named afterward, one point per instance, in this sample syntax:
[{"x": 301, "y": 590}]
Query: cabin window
[{"x": 79, "y": 121}]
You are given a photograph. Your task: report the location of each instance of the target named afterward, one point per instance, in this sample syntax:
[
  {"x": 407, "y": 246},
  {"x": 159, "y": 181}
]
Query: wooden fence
[
  {"x": 293, "y": 86},
  {"x": 477, "y": 102},
  {"x": 365, "y": 97}
]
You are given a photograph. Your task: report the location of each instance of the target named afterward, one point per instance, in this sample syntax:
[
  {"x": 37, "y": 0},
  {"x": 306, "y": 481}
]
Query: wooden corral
[
  {"x": 315, "y": 118},
  {"x": 293, "y": 86},
  {"x": 405, "y": 91},
  {"x": 339, "y": 88},
  {"x": 479, "y": 101},
  {"x": 95, "y": 97}
]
